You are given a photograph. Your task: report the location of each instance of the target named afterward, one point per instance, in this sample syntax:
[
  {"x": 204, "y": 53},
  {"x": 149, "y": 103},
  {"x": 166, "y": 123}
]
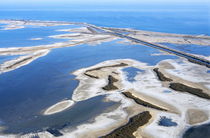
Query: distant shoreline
[{"x": 175, "y": 89}]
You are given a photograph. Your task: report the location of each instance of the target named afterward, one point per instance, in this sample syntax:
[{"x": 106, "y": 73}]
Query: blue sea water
[
  {"x": 22, "y": 37},
  {"x": 6, "y": 58},
  {"x": 190, "y": 48},
  {"x": 200, "y": 131},
  {"x": 164, "y": 121},
  {"x": 131, "y": 73},
  {"x": 189, "y": 20},
  {"x": 27, "y": 91}
]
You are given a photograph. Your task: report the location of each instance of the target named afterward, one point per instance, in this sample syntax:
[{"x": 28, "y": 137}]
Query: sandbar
[{"x": 59, "y": 107}]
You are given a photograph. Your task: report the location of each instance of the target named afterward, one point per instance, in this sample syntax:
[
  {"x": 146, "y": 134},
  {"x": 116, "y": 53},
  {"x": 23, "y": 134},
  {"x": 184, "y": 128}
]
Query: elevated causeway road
[
  {"x": 188, "y": 56},
  {"x": 104, "y": 30}
]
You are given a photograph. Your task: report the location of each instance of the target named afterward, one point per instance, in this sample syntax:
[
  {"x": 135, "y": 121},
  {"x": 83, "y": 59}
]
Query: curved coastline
[
  {"x": 109, "y": 67},
  {"x": 88, "y": 34},
  {"x": 146, "y": 93},
  {"x": 116, "y": 119}
]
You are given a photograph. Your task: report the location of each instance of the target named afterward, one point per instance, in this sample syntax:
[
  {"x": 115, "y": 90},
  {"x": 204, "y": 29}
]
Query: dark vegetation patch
[
  {"x": 19, "y": 62},
  {"x": 181, "y": 87},
  {"x": 110, "y": 86},
  {"x": 96, "y": 77},
  {"x": 117, "y": 65},
  {"x": 142, "y": 102},
  {"x": 92, "y": 30},
  {"x": 134, "y": 123},
  {"x": 161, "y": 76},
  {"x": 54, "y": 132},
  {"x": 115, "y": 73},
  {"x": 91, "y": 76},
  {"x": 206, "y": 63},
  {"x": 184, "y": 88}
]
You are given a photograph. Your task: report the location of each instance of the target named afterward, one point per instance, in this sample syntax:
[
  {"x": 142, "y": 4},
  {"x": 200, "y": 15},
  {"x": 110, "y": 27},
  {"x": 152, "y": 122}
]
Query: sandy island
[
  {"x": 59, "y": 107},
  {"x": 143, "y": 103},
  {"x": 144, "y": 98},
  {"x": 148, "y": 93},
  {"x": 85, "y": 34},
  {"x": 174, "y": 89}
]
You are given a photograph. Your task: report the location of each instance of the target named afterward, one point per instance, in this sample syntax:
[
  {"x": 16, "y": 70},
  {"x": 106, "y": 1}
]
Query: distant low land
[{"x": 168, "y": 98}]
